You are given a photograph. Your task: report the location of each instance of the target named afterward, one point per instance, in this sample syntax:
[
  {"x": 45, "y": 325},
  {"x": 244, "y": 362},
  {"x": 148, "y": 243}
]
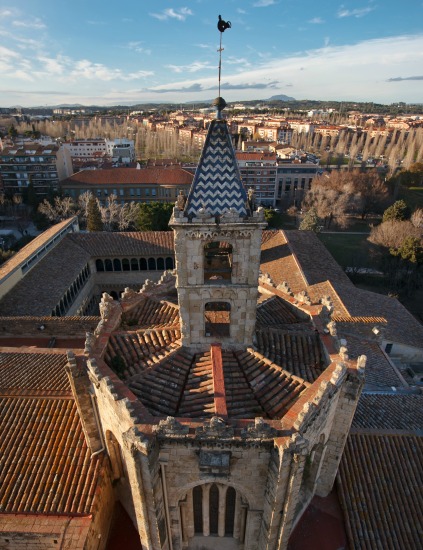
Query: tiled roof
[
  {"x": 173, "y": 175},
  {"x": 298, "y": 353},
  {"x": 379, "y": 372},
  {"x": 217, "y": 185},
  {"x": 274, "y": 249},
  {"x": 141, "y": 349},
  {"x": 317, "y": 264},
  {"x": 45, "y": 464},
  {"x": 275, "y": 311},
  {"x": 41, "y": 372},
  {"x": 380, "y": 483},
  {"x": 182, "y": 385},
  {"x": 129, "y": 244},
  {"x": 43, "y": 287},
  {"x": 153, "y": 314},
  {"x": 389, "y": 412},
  {"x": 22, "y": 255}
]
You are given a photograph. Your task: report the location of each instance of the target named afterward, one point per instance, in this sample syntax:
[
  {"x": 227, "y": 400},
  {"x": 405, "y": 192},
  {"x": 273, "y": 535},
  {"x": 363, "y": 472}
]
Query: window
[
  {"x": 217, "y": 319},
  {"x": 217, "y": 263}
]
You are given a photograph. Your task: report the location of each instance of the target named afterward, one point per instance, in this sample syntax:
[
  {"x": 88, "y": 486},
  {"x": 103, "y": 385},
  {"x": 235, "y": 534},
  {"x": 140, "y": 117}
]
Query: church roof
[
  {"x": 217, "y": 184},
  {"x": 46, "y": 466}
]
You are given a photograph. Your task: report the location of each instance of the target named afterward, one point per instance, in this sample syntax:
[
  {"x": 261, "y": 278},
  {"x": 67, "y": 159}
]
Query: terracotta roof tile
[
  {"x": 130, "y": 244},
  {"x": 33, "y": 371},
  {"x": 153, "y": 314},
  {"x": 380, "y": 487},
  {"x": 298, "y": 353},
  {"x": 276, "y": 311},
  {"x": 173, "y": 175},
  {"x": 45, "y": 464}
]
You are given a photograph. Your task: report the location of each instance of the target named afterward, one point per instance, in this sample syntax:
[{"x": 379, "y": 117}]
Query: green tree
[
  {"x": 274, "y": 219},
  {"x": 311, "y": 221},
  {"x": 154, "y": 216},
  {"x": 411, "y": 250},
  {"x": 94, "y": 222},
  {"x": 398, "y": 211}
]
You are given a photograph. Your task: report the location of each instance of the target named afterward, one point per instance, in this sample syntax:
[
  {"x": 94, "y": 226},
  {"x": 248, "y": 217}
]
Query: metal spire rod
[{"x": 222, "y": 26}]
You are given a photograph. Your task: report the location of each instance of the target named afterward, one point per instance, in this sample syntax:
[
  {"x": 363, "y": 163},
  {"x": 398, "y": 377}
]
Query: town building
[
  {"x": 129, "y": 184},
  {"x": 43, "y": 166}
]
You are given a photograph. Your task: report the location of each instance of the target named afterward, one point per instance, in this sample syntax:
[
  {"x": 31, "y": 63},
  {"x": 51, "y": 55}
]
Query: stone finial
[
  {"x": 284, "y": 287},
  {"x": 361, "y": 362},
  {"x": 304, "y": 415},
  {"x": 181, "y": 200},
  {"x": 332, "y": 328},
  {"x": 148, "y": 285},
  {"x": 338, "y": 374},
  {"x": 259, "y": 430},
  {"x": 171, "y": 427},
  {"x": 259, "y": 214},
  {"x": 89, "y": 342},
  {"x": 327, "y": 301},
  {"x": 106, "y": 305},
  {"x": 297, "y": 444},
  {"x": 215, "y": 428},
  {"x": 128, "y": 293},
  {"x": 343, "y": 353},
  {"x": 303, "y": 297},
  {"x": 266, "y": 279}
]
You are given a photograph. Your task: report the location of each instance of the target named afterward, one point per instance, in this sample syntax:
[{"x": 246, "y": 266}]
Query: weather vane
[{"x": 222, "y": 26}]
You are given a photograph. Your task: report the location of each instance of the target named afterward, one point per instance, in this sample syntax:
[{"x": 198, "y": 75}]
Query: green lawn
[
  {"x": 412, "y": 196},
  {"x": 351, "y": 250}
]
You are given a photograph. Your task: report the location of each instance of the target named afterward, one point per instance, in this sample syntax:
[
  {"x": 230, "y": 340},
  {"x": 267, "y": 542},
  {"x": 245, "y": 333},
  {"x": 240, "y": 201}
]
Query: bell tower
[{"x": 217, "y": 232}]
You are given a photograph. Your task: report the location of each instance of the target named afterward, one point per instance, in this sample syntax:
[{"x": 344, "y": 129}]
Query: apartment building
[
  {"x": 42, "y": 165},
  {"x": 258, "y": 170},
  {"x": 293, "y": 180}
]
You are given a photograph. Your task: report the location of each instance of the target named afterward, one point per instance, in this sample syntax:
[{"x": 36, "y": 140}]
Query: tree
[
  {"x": 392, "y": 233},
  {"x": 12, "y": 132},
  {"x": 154, "y": 216},
  {"x": 411, "y": 249},
  {"x": 398, "y": 211},
  {"x": 94, "y": 222},
  {"x": 311, "y": 221},
  {"x": 417, "y": 218},
  {"x": 60, "y": 209}
]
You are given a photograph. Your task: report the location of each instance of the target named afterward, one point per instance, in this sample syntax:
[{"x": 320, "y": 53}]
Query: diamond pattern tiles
[{"x": 217, "y": 185}]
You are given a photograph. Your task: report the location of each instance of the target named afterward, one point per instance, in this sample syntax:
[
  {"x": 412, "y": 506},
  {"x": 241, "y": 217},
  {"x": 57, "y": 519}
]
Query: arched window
[
  {"x": 143, "y": 264},
  {"x": 151, "y": 264},
  {"x": 169, "y": 263},
  {"x": 214, "y": 509},
  {"x": 197, "y": 496},
  {"x": 134, "y": 264},
  {"x": 217, "y": 319},
  {"x": 99, "y": 265},
  {"x": 117, "y": 266},
  {"x": 160, "y": 264},
  {"x": 125, "y": 264},
  {"x": 217, "y": 263},
  {"x": 108, "y": 265},
  {"x": 230, "y": 511}
]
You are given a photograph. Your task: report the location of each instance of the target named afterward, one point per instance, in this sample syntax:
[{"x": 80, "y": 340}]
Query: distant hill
[{"x": 281, "y": 97}]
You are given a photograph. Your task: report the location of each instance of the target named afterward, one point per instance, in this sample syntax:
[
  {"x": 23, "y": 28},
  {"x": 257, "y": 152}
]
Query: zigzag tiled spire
[{"x": 217, "y": 185}]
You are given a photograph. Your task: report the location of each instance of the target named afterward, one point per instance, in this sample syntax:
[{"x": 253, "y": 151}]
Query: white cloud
[
  {"x": 193, "y": 67},
  {"x": 316, "y": 20},
  {"x": 6, "y": 12},
  {"x": 264, "y": 3},
  {"x": 36, "y": 23},
  {"x": 169, "y": 13},
  {"x": 138, "y": 48},
  {"x": 358, "y": 12}
]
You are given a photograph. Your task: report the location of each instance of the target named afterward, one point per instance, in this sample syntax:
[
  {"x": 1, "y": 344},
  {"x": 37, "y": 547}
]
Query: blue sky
[{"x": 106, "y": 53}]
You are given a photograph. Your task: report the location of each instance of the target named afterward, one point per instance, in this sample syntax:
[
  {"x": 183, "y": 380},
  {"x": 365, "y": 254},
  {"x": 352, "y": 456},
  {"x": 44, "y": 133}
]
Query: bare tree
[
  {"x": 417, "y": 218},
  {"x": 391, "y": 234},
  {"x": 61, "y": 209}
]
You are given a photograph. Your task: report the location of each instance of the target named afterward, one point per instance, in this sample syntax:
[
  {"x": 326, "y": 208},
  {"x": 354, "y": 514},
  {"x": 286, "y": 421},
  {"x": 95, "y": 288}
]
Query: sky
[{"x": 99, "y": 52}]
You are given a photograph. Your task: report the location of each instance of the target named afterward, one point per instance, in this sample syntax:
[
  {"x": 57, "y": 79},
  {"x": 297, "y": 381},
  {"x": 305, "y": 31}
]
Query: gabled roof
[{"x": 217, "y": 185}]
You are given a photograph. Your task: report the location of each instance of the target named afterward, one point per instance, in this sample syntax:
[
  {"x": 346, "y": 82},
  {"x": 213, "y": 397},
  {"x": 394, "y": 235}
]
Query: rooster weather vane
[{"x": 222, "y": 26}]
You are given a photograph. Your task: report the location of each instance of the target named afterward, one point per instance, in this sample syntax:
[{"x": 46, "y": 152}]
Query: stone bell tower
[{"x": 217, "y": 247}]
